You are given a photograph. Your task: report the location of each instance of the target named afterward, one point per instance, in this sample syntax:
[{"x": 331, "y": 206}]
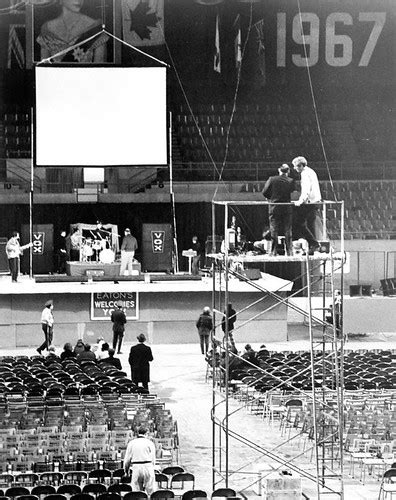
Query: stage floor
[{"x": 158, "y": 283}]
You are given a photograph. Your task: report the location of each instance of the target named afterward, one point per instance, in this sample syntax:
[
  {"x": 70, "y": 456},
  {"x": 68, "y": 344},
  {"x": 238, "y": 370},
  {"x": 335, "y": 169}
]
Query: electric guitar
[{"x": 20, "y": 249}]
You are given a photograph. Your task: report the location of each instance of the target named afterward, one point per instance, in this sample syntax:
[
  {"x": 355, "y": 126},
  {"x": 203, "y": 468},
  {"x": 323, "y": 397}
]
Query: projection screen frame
[{"x": 101, "y": 165}]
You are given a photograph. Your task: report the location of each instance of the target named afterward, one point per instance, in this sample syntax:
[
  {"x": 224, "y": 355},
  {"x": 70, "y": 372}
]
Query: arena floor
[{"x": 178, "y": 377}]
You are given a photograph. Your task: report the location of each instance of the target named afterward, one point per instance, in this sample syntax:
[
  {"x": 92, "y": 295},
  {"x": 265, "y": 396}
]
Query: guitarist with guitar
[{"x": 13, "y": 251}]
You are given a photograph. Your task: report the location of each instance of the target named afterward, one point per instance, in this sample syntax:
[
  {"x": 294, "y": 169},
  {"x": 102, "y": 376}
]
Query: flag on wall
[
  {"x": 238, "y": 42},
  {"x": 16, "y": 46},
  {"x": 143, "y": 22},
  {"x": 217, "y": 55},
  {"x": 259, "y": 28}
]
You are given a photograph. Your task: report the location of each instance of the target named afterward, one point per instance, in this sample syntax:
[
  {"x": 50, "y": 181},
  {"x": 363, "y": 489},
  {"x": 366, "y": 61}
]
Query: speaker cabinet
[
  {"x": 3, "y": 256},
  {"x": 367, "y": 290},
  {"x": 157, "y": 247},
  {"x": 43, "y": 248},
  {"x": 360, "y": 290}
]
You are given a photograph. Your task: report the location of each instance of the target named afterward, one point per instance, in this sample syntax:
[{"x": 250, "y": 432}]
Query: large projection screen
[{"x": 98, "y": 116}]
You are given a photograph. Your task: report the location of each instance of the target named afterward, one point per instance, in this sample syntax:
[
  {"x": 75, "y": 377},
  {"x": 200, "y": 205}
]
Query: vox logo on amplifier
[{"x": 158, "y": 241}]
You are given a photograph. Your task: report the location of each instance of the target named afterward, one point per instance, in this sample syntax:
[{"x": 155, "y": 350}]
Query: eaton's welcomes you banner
[{"x": 103, "y": 303}]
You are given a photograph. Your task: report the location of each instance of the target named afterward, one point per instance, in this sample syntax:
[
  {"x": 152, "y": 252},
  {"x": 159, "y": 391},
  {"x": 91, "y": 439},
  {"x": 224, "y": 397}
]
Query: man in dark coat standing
[
  {"x": 278, "y": 189},
  {"x": 139, "y": 359},
  {"x": 205, "y": 326},
  {"x": 118, "y": 319}
]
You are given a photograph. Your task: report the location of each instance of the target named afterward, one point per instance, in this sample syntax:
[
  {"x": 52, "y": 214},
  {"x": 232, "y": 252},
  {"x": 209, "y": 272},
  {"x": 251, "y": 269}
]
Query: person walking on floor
[
  {"x": 139, "y": 358},
  {"x": 140, "y": 457},
  {"x": 205, "y": 326},
  {"x": 118, "y": 319},
  {"x": 47, "y": 325}
]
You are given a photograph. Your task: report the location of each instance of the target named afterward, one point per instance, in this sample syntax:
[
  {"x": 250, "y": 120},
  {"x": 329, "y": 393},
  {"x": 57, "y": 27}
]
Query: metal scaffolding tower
[{"x": 323, "y": 389}]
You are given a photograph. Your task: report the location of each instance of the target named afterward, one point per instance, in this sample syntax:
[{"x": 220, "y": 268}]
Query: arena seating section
[
  {"x": 273, "y": 132},
  {"x": 261, "y": 132},
  {"x": 78, "y": 416},
  {"x": 280, "y": 393}
]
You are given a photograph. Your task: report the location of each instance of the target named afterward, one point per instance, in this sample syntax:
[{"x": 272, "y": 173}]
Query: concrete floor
[{"x": 178, "y": 377}]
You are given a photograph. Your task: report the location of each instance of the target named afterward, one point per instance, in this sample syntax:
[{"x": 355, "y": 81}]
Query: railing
[
  {"x": 245, "y": 172},
  {"x": 260, "y": 171}
]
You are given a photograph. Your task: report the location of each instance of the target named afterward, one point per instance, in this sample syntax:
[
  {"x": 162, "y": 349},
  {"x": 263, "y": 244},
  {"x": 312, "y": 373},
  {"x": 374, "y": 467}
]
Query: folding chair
[
  {"x": 224, "y": 493},
  {"x": 388, "y": 484},
  {"x": 162, "y": 494},
  {"x": 197, "y": 494},
  {"x": 16, "y": 491},
  {"x": 135, "y": 495},
  {"x": 99, "y": 475},
  {"x": 182, "y": 482},
  {"x": 119, "y": 488},
  {"x": 95, "y": 489},
  {"x": 43, "y": 490},
  {"x": 162, "y": 480},
  {"x": 69, "y": 489}
]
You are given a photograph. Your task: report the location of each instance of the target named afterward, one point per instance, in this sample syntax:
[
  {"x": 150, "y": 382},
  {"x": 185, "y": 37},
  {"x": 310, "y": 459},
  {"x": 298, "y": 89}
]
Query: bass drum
[{"x": 107, "y": 256}]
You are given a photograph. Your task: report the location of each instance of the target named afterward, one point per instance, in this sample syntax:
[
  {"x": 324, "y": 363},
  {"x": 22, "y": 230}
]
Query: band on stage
[{"x": 99, "y": 244}]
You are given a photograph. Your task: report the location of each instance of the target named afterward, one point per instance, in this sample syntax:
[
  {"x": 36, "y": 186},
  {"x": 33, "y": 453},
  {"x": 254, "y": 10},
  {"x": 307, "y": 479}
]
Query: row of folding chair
[{"x": 132, "y": 495}]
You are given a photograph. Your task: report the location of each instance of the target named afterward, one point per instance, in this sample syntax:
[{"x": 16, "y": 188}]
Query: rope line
[
  {"x": 196, "y": 123},
  {"x": 314, "y": 102}
]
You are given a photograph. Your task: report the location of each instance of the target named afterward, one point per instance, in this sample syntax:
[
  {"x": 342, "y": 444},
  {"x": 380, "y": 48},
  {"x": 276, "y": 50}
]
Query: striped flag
[
  {"x": 16, "y": 51},
  {"x": 238, "y": 42},
  {"x": 259, "y": 28},
  {"x": 217, "y": 55}
]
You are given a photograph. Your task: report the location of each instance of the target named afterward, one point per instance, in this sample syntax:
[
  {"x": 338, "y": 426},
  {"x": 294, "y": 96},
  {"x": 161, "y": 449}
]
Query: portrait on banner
[{"x": 76, "y": 24}]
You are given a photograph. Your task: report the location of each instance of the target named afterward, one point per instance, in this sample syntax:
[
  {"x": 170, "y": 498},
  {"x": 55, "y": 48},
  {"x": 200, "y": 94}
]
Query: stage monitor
[{"x": 100, "y": 116}]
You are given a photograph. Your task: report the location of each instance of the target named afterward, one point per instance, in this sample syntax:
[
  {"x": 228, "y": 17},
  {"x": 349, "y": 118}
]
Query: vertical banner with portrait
[{"x": 53, "y": 27}]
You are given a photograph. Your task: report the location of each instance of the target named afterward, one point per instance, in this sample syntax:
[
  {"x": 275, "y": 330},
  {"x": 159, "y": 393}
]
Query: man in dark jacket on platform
[
  {"x": 139, "y": 359},
  {"x": 278, "y": 189}
]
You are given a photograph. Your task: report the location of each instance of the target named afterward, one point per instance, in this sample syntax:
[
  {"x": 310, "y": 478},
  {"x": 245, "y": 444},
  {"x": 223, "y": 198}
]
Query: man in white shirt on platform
[
  {"x": 140, "y": 457},
  {"x": 307, "y": 202}
]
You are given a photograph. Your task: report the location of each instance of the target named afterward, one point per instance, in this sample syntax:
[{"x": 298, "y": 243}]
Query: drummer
[
  {"x": 100, "y": 235},
  {"x": 128, "y": 247}
]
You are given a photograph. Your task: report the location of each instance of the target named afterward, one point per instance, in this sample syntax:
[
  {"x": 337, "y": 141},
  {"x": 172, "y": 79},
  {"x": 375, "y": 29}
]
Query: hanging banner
[
  {"x": 51, "y": 28},
  {"x": 143, "y": 22},
  {"x": 104, "y": 303}
]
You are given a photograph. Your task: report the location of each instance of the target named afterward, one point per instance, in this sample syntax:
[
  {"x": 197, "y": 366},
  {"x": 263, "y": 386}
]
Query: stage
[{"x": 165, "y": 308}]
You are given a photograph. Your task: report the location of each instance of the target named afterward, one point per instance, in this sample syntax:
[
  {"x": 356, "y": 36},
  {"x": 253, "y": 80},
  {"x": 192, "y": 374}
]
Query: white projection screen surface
[{"x": 100, "y": 116}]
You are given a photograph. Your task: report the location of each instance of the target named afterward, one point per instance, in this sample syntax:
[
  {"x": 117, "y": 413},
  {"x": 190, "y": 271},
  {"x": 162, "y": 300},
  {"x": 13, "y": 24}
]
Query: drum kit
[{"x": 97, "y": 251}]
